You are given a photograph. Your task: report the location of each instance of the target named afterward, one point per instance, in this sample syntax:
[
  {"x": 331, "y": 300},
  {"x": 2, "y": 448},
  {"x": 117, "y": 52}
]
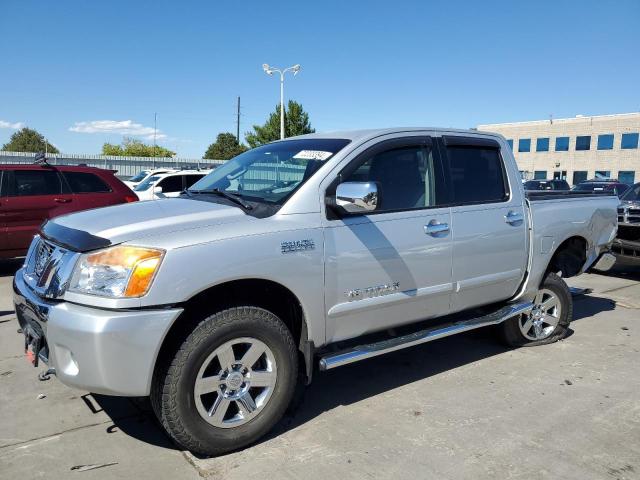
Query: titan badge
[{"x": 378, "y": 290}]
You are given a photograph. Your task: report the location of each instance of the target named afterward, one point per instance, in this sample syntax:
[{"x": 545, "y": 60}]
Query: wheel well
[
  {"x": 265, "y": 294},
  {"x": 569, "y": 257}
]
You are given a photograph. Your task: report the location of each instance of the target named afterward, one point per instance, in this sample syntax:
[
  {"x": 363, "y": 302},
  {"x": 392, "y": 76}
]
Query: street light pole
[
  {"x": 281, "y": 106},
  {"x": 269, "y": 71}
]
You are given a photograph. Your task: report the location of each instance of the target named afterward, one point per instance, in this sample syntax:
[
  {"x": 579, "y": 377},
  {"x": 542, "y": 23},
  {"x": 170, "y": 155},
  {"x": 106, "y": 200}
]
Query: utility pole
[{"x": 238, "y": 122}]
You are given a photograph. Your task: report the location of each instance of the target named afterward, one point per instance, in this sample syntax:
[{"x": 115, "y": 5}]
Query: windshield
[
  {"x": 139, "y": 177},
  {"x": 141, "y": 187},
  {"x": 633, "y": 194},
  {"x": 272, "y": 172}
]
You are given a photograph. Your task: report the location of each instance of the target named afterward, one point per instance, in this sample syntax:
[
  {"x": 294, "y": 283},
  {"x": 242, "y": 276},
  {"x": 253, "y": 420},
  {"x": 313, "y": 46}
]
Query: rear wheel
[
  {"x": 549, "y": 319},
  {"x": 229, "y": 382}
]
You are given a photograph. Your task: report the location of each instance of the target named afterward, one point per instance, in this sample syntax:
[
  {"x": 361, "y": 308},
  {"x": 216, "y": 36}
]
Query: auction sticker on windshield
[{"x": 312, "y": 155}]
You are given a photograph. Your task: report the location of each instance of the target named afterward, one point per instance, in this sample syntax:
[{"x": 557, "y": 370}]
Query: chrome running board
[{"x": 362, "y": 352}]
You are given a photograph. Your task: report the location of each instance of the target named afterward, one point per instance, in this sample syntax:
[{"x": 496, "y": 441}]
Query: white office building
[{"x": 577, "y": 148}]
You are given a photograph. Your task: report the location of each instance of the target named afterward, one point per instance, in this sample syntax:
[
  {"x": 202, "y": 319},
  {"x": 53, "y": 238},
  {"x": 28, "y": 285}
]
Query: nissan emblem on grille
[{"x": 42, "y": 258}]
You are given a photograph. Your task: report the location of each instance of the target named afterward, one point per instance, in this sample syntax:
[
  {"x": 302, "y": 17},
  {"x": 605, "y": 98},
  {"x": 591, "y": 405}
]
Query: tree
[
  {"x": 135, "y": 148},
  {"x": 296, "y": 122},
  {"x": 28, "y": 140},
  {"x": 225, "y": 147}
]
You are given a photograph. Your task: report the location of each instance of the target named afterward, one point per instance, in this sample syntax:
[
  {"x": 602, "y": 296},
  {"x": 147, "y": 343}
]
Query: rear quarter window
[{"x": 81, "y": 182}]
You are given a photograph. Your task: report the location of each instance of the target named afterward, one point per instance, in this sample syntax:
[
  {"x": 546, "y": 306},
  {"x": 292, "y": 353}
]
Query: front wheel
[
  {"x": 229, "y": 383},
  {"x": 549, "y": 319}
]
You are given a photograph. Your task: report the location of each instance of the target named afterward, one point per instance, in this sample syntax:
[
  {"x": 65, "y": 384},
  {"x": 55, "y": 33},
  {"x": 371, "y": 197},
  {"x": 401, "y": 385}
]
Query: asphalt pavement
[{"x": 461, "y": 407}]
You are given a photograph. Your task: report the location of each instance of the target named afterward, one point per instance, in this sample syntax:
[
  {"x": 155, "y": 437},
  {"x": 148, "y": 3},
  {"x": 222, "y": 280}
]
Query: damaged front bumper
[{"x": 112, "y": 352}]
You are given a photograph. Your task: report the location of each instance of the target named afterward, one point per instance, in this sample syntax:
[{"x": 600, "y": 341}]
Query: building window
[
  {"x": 524, "y": 145},
  {"x": 540, "y": 175},
  {"x": 627, "y": 176},
  {"x": 510, "y": 142},
  {"x": 562, "y": 144},
  {"x": 605, "y": 142},
  {"x": 600, "y": 174},
  {"x": 583, "y": 142},
  {"x": 579, "y": 176},
  {"x": 542, "y": 144},
  {"x": 629, "y": 141}
]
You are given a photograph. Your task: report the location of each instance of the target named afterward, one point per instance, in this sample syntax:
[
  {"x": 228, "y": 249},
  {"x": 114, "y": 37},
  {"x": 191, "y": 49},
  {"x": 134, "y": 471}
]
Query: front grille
[
  {"x": 628, "y": 215},
  {"x": 42, "y": 257},
  {"x": 48, "y": 268},
  {"x": 625, "y": 251}
]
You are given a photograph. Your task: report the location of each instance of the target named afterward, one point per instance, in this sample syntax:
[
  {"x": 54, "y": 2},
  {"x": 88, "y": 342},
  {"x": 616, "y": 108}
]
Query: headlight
[{"x": 117, "y": 272}]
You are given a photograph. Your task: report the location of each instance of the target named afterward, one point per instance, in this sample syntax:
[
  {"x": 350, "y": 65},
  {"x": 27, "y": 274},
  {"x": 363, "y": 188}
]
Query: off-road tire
[
  {"x": 510, "y": 329},
  {"x": 172, "y": 391}
]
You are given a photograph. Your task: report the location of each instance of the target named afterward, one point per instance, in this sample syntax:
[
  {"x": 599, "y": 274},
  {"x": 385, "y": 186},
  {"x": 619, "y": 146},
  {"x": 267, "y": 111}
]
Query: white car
[
  {"x": 141, "y": 176},
  {"x": 169, "y": 184}
]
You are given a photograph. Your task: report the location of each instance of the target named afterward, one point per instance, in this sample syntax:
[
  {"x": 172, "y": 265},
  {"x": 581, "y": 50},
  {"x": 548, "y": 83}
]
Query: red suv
[{"x": 30, "y": 194}]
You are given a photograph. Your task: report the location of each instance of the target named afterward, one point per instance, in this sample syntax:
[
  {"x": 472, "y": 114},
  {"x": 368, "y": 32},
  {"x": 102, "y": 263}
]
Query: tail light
[{"x": 130, "y": 198}]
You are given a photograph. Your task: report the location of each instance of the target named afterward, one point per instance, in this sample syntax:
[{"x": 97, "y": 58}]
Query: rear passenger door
[
  {"x": 89, "y": 190},
  {"x": 488, "y": 227},
  {"x": 33, "y": 195}
]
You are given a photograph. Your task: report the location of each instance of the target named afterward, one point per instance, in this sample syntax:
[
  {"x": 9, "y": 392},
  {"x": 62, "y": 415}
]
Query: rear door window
[
  {"x": 81, "y": 182},
  {"x": 171, "y": 184},
  {"x": 476, "y": 172},
  {"x": 35, "y": 182},
  {"x": 191, "y": 179}
]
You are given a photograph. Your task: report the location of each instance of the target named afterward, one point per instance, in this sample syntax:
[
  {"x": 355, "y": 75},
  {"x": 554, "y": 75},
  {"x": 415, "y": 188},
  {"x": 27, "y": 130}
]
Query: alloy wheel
[
  {"x": 544, "y": 316},
  {"x": 235, "y": 382}
]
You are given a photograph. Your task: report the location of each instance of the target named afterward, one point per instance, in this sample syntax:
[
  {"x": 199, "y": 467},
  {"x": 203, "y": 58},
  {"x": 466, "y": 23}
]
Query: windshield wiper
[{"x": 229, "y": 196}]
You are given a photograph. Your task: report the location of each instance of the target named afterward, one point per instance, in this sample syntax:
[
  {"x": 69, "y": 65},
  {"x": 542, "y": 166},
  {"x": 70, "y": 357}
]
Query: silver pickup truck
[{"x": 301, "y": 255}]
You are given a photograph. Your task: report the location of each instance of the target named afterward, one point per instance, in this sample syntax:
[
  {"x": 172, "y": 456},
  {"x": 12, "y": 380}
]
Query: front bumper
[{"x": 112, "y": 352}]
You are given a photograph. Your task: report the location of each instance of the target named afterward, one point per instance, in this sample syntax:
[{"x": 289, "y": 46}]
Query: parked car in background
[
  {"x": 546, "y": 185},
  {"x": 168, "y": 184},
  {"x": 602, "y": 185},
  {"x": 134, "y": 181},
  {"x": 31, "y": 194},
  {"x": 307, "y": 253},
  {"x": 626, "y": 246}
]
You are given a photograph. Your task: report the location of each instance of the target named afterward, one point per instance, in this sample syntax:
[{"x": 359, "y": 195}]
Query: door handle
[
  {"x": 434, "y": 228},
  {"x": 62, "y": 200},
  {"x": 513, "y": 218}
]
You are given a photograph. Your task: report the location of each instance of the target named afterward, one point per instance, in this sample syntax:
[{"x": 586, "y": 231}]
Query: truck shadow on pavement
[{"x": 352, "y": 383}]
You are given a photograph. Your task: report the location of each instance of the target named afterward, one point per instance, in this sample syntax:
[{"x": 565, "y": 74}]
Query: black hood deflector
[{"x": 73, "y": 239}]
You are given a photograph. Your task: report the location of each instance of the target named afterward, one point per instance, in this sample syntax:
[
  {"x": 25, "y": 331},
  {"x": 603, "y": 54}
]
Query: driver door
[{"x": 389, "y": 267}]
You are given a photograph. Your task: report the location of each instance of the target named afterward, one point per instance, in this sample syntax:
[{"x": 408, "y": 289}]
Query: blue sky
[{"x": 69, "y": 64}]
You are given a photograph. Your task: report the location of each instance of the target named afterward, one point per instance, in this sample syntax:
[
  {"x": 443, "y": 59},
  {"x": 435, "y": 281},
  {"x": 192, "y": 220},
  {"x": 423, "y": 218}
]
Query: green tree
[
  {"x": 225, "y": 147},
  {"x": 296, "y": 122},
  {"x": 135, "y": 148},
  {"x": 28, "y": 140}
]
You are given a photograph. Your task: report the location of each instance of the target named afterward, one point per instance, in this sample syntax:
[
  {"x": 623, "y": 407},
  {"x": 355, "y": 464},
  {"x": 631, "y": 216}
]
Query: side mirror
[
  {"x": 157, "y": 189},
  {"x": 357, "y": 197}
]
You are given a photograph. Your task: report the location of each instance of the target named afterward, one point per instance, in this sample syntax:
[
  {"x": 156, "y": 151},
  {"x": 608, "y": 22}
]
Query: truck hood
[{"x": 121, "y": 223}]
